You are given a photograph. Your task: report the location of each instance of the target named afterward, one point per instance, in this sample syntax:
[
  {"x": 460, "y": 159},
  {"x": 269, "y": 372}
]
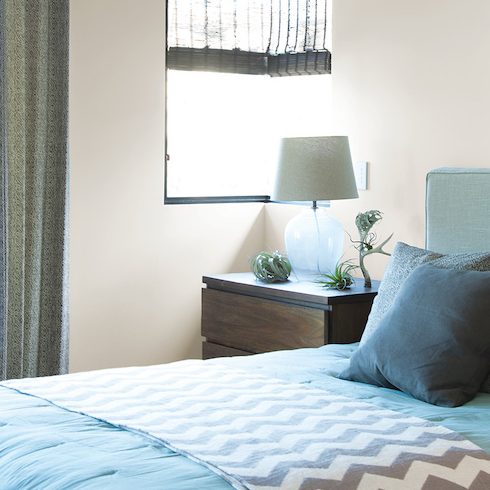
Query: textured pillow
[
  {"x": 403, "y": 261},
  {"x": 434, "y": 342}
]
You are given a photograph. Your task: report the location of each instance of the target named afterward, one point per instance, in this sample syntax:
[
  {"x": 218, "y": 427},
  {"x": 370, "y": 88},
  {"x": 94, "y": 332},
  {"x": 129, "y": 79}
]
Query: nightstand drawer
[
  {"x": 210, "y": 351},
  {"x": 259, "y": 325}
]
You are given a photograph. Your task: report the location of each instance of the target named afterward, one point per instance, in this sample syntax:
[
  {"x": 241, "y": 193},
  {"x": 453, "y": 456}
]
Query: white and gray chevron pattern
[{"x": 263, "y": 433}]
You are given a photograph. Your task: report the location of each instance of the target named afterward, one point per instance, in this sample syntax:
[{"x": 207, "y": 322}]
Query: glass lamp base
[{"x": 314, "y": 244}]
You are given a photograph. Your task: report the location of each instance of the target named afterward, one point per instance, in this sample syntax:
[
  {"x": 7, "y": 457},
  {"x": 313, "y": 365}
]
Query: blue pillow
[{"x": 434, "y": 341}]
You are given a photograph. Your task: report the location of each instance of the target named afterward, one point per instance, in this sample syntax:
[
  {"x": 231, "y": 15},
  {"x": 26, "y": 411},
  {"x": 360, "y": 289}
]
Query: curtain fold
[{"x": 33, "y": 187}]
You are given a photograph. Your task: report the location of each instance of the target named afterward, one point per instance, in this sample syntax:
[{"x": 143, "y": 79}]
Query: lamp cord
[{"x": 315, "y": 208}]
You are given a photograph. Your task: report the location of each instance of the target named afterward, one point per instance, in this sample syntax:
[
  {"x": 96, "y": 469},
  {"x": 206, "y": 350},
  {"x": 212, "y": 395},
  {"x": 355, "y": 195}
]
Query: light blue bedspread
[{"x": 43, "y": 446}]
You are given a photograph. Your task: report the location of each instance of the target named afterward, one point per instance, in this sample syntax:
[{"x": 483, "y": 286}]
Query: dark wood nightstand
[{"x": 242, "y": 316}]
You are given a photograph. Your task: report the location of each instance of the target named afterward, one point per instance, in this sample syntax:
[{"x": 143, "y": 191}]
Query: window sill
[{"x": 215, "y": 199}]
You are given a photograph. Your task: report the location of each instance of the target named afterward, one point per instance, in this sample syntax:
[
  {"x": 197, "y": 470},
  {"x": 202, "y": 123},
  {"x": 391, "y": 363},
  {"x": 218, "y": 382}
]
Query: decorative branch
[{"x": 366, "y": 245}]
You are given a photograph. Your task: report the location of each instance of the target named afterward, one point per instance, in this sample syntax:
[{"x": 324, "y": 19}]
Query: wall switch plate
[{"x": 361, "y": 175}]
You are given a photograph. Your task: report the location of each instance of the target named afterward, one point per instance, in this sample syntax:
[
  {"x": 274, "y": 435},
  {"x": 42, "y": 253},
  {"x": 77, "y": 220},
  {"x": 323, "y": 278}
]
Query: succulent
[
  {"x": 271, "y": 267},
  {"x": 365, "y": 221},
  {"x": 341, "y": 278}
]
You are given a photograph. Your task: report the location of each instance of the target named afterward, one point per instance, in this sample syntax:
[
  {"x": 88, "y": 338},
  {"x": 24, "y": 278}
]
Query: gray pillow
[
  {"x": 434, "y": 342},
  {"x": 404, "y": 260}
]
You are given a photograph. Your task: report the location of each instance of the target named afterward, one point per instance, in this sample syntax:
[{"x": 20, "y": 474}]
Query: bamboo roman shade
[{"x": 274, "y": 37}]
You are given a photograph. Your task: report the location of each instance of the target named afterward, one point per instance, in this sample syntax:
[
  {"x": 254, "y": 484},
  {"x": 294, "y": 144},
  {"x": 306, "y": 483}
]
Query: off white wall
[
  {"x": 136, "y": 265},
  {"x": 411, "y": 89}
]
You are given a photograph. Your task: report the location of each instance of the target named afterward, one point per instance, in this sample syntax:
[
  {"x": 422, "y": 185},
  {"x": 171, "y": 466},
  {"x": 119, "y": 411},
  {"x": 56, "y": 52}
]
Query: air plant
[
  {"x": 341, "y": 278},
  {"x": 366, "y": 245},
  {"x": 271, "y": 267}
]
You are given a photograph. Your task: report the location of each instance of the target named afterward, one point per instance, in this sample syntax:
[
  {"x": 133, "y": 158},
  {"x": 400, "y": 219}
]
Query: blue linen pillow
[
  {"x": 404, "y": 259},
  {"x": 434, "y": 342}
]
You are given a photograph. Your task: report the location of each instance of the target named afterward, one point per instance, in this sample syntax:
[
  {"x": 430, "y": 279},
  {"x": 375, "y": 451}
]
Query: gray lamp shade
[{"x": 315, "y": 169}]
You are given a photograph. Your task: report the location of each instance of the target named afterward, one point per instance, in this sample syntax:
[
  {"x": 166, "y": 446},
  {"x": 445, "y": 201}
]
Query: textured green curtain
[{"x": 33, "y": 187}]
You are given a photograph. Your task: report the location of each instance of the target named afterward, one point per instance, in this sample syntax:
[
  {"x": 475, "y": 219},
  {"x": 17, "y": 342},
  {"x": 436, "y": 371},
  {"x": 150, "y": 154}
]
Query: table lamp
[{"x": 314, "y": 169}]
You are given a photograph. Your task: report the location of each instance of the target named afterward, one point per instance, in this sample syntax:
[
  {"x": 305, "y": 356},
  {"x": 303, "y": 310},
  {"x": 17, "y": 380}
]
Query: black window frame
[
  {"x": 198, "y": 199},
  {"x": 218, "y": 199}
]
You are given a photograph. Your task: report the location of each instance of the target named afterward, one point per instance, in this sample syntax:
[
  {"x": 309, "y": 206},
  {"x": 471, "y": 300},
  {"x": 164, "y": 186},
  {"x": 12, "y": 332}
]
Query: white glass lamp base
[{"x": 314, "y": 244}]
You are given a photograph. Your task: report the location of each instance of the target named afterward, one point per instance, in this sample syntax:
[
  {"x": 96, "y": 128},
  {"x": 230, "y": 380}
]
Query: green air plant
[
  {"x": 271, "y": 267},
  {"x": 341, "y": 278},
  {"x": 368, "y": 239}
]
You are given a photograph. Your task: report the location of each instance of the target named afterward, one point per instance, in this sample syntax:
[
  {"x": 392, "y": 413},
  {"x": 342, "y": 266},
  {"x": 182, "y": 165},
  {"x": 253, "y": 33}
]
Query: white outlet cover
[{"x": 361, "y": 175}]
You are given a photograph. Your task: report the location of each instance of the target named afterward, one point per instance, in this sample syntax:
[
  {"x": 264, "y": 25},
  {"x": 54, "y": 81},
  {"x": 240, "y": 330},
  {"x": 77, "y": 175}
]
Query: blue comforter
[{"x": 44, "y": 446}]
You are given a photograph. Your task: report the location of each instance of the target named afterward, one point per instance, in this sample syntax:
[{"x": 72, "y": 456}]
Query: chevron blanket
[{"x": 263, "y": 433}]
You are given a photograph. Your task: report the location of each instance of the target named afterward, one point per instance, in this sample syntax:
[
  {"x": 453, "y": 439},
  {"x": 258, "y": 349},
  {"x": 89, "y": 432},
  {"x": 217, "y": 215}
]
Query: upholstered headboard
[{"x": 458, "y": 210}]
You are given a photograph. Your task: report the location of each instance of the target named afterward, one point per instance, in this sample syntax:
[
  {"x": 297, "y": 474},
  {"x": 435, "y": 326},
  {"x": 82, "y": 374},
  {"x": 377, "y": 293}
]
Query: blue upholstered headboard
[{"x": 458, "y": 210}]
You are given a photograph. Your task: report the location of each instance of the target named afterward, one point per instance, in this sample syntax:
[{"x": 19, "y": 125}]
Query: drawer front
[
  {"x": 347, "y": 322},
  {"x": 259, "y": 325},
  {"x": 210, "y": 351}
]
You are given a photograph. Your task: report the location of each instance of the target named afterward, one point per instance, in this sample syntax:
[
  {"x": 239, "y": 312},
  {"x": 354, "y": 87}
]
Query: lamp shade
[{"x": 314, "y": 169}]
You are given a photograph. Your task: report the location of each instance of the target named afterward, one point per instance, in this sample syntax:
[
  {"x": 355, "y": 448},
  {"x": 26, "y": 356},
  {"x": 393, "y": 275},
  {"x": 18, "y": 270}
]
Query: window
[{"x": 231, "y": 93}]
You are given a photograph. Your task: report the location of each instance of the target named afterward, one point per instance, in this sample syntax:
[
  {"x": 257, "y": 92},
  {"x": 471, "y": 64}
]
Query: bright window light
[{"x": 223, "y": 129}]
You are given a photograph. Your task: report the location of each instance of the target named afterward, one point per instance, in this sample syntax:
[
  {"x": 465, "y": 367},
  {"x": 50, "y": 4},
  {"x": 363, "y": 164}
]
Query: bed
[{"x": 216, "y": 424}]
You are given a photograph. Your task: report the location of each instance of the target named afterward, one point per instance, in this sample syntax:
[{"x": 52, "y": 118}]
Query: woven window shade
[{"x": 274, "y": 37}]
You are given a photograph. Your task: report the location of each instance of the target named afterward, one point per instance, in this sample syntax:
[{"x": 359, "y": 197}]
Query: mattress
[{"x": 45, "y": 446}]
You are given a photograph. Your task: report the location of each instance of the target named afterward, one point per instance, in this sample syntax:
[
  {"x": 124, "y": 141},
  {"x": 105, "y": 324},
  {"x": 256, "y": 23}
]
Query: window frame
[
  {"x": 193, "y": 199},
  {"x": 197, "y": 199},
  {"x": 203, "y": 199}
]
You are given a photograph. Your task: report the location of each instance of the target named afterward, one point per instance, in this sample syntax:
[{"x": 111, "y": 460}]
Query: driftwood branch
[
  {"x": 367, "y": 242},
  {"x": 364, "y": 253}
]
